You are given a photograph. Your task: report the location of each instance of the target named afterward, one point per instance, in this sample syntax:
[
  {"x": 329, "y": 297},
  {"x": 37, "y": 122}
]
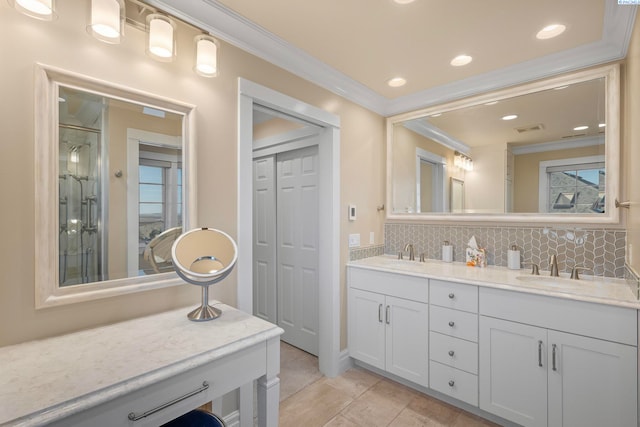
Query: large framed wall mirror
[
  {"x": 546, "y": 151},
  {"x": 114, "y": 187}
]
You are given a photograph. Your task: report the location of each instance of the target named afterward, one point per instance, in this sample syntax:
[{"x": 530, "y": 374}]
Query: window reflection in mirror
[
  {"x": 98, "y": 240},
  {"x": 557, "y": 155}
]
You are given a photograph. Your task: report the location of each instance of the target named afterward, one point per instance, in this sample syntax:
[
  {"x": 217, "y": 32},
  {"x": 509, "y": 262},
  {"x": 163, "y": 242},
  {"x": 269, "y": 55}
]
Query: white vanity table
[{"x": 110, "y": 375}]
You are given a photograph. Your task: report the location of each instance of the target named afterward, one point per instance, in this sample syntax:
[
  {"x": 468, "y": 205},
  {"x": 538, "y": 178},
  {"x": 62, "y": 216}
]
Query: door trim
[{"x": 250, "y": 93}]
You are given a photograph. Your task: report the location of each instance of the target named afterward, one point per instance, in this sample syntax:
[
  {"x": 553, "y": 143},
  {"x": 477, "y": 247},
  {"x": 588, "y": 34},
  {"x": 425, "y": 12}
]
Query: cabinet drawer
[
  {"x": 454, "y": 352},
  {"x": 459, "y": 324},
  {"x": 397, "y": 285},
  {"x": 454, "y": 295},
  {"x": 583, "y": 318},
  {"x": 454, "y": 382}
]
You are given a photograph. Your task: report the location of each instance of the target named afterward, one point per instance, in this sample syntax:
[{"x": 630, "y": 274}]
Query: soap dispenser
[
  {"x": 513, "y": 258},
  {"x": 447, "y": 251}
]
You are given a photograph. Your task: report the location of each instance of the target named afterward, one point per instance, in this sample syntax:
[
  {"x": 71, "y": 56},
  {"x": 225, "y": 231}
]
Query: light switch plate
[{"x": 354, "y": 240}]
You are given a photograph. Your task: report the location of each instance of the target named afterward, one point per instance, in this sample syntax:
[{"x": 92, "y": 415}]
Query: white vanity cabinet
[
  {"x": 556, "y": 362},
  {"x": 388, "y": 322},
  {"x": 453, "y": 336}
]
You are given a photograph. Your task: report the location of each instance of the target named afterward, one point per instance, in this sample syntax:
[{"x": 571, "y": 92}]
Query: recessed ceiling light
[
  {"x": 403, "y": 1},
  {"x": 550, "y": 31},
  {"x": 510, "y": 117},
  {"x": 491, "y": 103},
  {"x": 461, "y": 60},
  {"x": 581, "y": 127},
  {"x": 601, "y": 125},
  {"x": 396, "y": 82}
]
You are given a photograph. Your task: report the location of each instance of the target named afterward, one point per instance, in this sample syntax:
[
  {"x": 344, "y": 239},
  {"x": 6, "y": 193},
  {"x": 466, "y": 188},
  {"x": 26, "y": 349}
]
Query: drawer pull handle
[
  {"x": 380, "y": 313},
  {"x": 452, "y": 295},
  {"x": 451, "y": 383},
  {"x": 133, "y": 417},
  {"x": 388, "y": 314},
  {"x": 452, "y": 323},
  {"x": 451, "y": 353},
  {"x": 553, "y": 352},
  {"x": 540, "y": 353}
]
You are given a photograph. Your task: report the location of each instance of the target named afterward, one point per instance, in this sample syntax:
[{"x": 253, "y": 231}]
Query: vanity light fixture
[
  {"x": 206, "y": 56},
  {"x": 550, "y": 31},
  {"x": 462, "y": 161},
  {"x": 461, "y": 60},
  {"x": 397, "y": 82},
  {"x": 161, "y": 40},
  {"x": 106, "y": 20},
  {"x": 583, "y": 127},
  {"x": 39, "y": 9},
  {"x": 510, "y": 117}
]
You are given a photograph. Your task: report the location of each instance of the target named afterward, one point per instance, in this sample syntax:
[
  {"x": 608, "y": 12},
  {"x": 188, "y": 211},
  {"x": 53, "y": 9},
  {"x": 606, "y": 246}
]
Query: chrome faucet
[
  {"x": 553, "y": 265},
  {"x": 409, "y": 247}
]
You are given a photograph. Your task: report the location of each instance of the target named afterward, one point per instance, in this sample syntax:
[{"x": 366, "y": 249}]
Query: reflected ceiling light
[
  {"x": 106, "y": 21},
  {"x": 161, "y": 40},
  {"x": 550, "y": 31},
  {"x": 461, "y": 60},
  {"x": 601, "y": 125},
  {"x": 206, "y": 56},
  {"x": 403, "y": 1},
  {"x": 462, "y": 161},
  {"x": 583, "y": 127},
  {"x": 510, "y": 117},
  {"x": 39, "y": 9},
  {"x": 396, "y": 82}
]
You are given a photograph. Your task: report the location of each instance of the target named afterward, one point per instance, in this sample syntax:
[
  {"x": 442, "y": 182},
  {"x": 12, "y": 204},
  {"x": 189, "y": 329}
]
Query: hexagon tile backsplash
[{"x": 600, "y": 251}]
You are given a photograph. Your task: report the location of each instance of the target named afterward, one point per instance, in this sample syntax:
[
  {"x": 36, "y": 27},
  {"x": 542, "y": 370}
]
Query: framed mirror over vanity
[
  {"x": 115, "y": 186},
  {"x": 545, "y": 151}
]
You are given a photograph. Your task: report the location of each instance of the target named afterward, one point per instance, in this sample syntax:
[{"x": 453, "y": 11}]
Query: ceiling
[{"x": 353, "y": 47}]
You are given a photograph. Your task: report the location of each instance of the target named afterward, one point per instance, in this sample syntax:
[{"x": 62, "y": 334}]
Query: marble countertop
[
  {"x": 602, "y": 290},
  {"x": 50, "y": 379}
]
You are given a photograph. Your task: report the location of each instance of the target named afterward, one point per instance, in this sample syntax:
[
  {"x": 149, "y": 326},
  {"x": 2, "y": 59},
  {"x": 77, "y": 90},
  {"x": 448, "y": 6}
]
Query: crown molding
[
  {"x": 227, "y": 25},
  {"x": 559, "y": 145},
  {"x": 426, "y": 129}
]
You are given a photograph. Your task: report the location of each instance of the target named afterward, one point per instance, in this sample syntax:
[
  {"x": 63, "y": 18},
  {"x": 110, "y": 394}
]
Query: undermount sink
[{"x": 563, "y": 282}]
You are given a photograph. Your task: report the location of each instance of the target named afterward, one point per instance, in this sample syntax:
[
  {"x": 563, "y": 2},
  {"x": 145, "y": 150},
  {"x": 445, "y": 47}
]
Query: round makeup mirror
[{"x": 204, "y": 256}]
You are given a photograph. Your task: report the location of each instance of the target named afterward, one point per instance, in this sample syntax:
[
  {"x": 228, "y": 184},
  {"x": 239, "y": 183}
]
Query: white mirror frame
[
  {"x": 48, "y": 293},
  {"x": 611, "y": 73}
]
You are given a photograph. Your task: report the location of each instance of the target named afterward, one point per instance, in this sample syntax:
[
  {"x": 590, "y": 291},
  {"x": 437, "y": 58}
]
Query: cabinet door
[
  {"x": 367, "y": 327},
  {"x": 407, "y": 354},
  {"x": 591, "y": 382},
  {"x": 513, "y": 371}
]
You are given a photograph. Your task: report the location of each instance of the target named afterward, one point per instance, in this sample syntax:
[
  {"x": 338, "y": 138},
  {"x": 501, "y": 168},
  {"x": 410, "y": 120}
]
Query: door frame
[{"x": 250, "y": 93}]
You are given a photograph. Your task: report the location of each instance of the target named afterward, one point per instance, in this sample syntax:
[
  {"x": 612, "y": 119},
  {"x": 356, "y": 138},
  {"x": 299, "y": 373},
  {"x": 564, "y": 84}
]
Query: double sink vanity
[{"x": 513, "y": 347}]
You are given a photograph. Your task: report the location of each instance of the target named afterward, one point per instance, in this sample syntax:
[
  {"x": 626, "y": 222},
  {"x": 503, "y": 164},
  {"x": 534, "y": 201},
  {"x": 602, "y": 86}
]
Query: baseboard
[
  {"x": 344, "y": 362},
  {"x": 232, "y": 419}
]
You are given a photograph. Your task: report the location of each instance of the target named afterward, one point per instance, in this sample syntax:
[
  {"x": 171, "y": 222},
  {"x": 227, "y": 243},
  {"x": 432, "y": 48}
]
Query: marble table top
[
  {"x": 49, "y": 379},
  {"x": 603, "y": 290}
]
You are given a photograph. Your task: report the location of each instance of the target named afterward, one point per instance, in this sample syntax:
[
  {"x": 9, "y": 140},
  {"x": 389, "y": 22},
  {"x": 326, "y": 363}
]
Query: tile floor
[{"x": 357, "y": 398}]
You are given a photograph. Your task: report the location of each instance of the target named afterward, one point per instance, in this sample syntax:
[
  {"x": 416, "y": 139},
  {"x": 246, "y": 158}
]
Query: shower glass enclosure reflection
[{"x": 79, "y": 188}]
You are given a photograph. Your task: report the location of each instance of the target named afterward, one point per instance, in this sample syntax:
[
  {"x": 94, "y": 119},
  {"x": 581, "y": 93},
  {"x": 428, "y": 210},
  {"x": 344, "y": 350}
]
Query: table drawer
[
  {"x": 459, "y": 324},
  {"x": 454, "y": 352},
  {"x": 454, "y": 382},
  {"x": 454, "y": 295}
]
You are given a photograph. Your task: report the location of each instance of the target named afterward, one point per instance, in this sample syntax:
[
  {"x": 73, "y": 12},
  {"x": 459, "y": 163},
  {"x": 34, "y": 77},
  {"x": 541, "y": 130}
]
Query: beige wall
[
  {"x": 484, "y": 185},
  {"x": 405, "y": 143},
  {"x": 65, "y": 43},
  {"x": 274, "y": 127},
  {"x": 527, "y": 171},
  {"x": 631, "y": 145}
]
